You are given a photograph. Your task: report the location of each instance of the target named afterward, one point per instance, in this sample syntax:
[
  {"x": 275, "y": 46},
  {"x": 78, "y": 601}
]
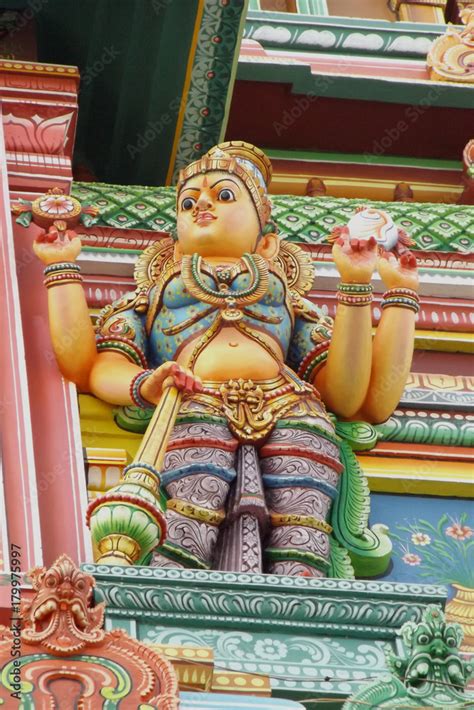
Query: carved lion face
[{"x": 60, "y": 616}]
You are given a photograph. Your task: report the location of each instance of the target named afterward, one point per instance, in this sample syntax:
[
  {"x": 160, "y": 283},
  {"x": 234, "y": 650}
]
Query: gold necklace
[{"x": 230, "y": 302}]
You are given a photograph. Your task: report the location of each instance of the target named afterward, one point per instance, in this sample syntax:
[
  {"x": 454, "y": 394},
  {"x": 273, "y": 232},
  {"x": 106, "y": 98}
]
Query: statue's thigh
[
  {"x": 197, "y": 473},
  {"x": 199, "y": 464},
  {"x": 301, "y": 470}
]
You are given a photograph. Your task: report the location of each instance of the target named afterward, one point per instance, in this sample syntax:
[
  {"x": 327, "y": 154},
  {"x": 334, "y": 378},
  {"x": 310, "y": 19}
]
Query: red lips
[{"x": 204, "y": 217}]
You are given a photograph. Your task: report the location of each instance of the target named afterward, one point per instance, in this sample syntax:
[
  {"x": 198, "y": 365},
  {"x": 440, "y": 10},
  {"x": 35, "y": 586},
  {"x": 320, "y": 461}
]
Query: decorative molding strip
[
  {"x": 425, "y": 427},
  {"x": 377, "y": 38},
  {"x": 422, "y": 451},
  {"x": 437, "y": 392},
  {"x": 39, "y": 119},
  {"x": 309, "y": 635},
  {"x": 267, "y": 601}
]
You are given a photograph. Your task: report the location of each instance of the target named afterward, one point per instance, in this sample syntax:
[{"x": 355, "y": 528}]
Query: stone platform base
[{"x": 311, "y": 638}]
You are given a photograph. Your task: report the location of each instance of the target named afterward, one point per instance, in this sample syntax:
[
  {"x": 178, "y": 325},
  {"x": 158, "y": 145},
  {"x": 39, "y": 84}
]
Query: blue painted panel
[{"x": 433, "y": 538}]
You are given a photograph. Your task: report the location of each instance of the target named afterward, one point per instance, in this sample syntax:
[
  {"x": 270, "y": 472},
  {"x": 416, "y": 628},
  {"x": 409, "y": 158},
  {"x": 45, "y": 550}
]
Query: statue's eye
[
  {"x": 451, "y": 641},
  {"x": 188, "y": 203},
  {"x": 423, "y": 639},
  {"x": 226, "y": 195}
]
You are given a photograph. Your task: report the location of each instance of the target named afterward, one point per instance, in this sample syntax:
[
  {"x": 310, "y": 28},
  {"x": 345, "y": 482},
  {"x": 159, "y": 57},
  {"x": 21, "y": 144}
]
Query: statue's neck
[{"x": 221, "y": 260}]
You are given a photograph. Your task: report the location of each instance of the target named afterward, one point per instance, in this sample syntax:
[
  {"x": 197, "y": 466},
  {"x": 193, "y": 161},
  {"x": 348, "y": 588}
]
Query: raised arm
[
  {"x": 72, "y": 333},
  {"x": 344, "y": 381},
  {"x": 394, "y": 340}
]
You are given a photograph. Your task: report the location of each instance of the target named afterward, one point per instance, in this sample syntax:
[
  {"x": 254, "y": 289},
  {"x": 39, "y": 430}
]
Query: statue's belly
[{"x": 231, "y": 354}]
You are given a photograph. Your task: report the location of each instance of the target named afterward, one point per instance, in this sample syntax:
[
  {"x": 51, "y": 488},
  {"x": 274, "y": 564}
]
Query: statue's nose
[
  {"x": 66, "y": 591},
  {"x": 204, "y": 200}
]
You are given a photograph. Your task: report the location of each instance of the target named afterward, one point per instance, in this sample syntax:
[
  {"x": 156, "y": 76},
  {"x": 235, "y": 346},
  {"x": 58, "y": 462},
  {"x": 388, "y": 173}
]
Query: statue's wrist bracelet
[
  {"x": 352, "y": 294},
  {"x": 62, "y": 273},
  {"x": 135, "y": 395},
  {"x": 401, "y": 297}
]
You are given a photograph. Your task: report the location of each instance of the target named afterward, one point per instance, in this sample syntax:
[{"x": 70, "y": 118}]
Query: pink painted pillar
[
  {"x": 17, "y": 451},
  {"x": 61, "y": 480},
  {"x": 53, "y": 417}
]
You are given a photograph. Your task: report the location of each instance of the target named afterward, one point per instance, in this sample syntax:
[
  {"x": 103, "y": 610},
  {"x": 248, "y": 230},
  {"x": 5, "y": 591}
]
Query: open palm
[
  {"x": 399, "y": 273},
  {"x": 355, "y": 259}
]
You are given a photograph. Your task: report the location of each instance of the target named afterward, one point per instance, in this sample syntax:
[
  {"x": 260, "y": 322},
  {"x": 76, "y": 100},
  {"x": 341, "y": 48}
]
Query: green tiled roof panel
[{"x": 434, "y": 227}]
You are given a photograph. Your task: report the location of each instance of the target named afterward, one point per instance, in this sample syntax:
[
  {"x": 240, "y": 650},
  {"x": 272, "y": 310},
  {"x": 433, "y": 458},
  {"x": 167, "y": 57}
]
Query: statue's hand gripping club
[{"x": 137, "y": 502}]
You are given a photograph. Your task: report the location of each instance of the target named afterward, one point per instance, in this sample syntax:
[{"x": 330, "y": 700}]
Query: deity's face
[{"x": 216, "y": 217}]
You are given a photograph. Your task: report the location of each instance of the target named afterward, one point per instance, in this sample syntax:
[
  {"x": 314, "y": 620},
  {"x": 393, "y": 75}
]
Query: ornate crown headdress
[{"x": 244, "y": 160}]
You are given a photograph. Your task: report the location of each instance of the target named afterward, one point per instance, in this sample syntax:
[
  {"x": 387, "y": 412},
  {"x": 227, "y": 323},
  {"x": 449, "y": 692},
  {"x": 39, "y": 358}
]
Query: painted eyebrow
[
  {"x": 197, "y": 189},
  {"x": 225, "y": 180}
]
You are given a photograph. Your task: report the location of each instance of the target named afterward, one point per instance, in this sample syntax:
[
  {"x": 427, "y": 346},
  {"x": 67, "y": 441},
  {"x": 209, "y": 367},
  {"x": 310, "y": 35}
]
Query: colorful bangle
[
  {"x": 61, "y": 266},
  {"x": 352, "y": 294},
  {"x": 135, "y": 395},
  {"x": 62, "y": 278},
  {"x": 347, "y": 300},
  {"x": 409, "y": 303},
  {"x": 355, "y": 288},
  {"x": 409, "y": 292},
  {"x": 401, "y": 297}
]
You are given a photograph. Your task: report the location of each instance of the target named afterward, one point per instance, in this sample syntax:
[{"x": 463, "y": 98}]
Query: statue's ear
[
  {"x": 177, "y": 253},
  {"x": 268, "y": 246}
]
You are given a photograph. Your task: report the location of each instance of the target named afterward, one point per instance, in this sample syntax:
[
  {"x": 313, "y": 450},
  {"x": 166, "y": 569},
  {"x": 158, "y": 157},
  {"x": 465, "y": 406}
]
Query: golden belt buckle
[{"x": 243, "y": 402}]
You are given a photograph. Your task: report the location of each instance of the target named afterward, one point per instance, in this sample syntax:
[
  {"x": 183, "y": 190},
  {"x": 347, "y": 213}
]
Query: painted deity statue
[{"x": 253, "y": 466}]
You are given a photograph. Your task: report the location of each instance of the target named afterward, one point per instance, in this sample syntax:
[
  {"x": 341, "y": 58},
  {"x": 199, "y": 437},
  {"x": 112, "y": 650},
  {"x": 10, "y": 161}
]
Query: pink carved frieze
[
  {"x": 39, "y": 115},
  {"x": 37, "y": 133}
]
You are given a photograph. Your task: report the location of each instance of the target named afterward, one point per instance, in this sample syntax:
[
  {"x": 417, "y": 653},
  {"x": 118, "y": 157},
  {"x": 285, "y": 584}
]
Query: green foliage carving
[
  {"x": 369, "y": 548},
  {"x": 340, "y": 563},
  {"x": 133, "y": 419}
]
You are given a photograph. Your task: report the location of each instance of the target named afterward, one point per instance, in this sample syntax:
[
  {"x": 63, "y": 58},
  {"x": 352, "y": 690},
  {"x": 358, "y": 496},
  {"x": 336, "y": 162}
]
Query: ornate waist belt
[{"x": 252, "y": 408}]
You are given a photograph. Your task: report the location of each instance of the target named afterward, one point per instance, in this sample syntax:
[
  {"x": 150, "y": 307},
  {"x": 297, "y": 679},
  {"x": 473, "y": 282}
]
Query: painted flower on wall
[
  {"x": 410, "y": 558},
  {"x": 419, "y": 538},
  {"x": 445, "y": 552},
  {"x": 459, "y": 532}
]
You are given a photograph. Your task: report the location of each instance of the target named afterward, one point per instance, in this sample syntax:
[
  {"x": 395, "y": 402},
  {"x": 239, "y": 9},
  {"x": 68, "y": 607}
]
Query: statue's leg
[
  {"x": 301, "y": 470},
  {"x": 197, "y": 472}
]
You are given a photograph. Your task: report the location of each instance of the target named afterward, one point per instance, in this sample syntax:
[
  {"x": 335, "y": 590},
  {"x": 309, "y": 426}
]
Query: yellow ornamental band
[
  {"x": 307, "y": 521},
  {"x": 212, "y": 517}
]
